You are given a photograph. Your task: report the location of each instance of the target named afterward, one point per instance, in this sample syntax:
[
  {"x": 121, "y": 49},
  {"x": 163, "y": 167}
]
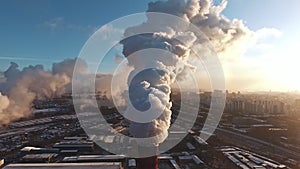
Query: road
[{"x": 274, "y": 148}]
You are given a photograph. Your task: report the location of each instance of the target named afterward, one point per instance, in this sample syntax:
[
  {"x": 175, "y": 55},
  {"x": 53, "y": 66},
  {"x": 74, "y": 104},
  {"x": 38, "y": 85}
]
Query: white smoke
[
  {"x": 103, "y": 84},
  {"x": 4, "y": 102},
  {"x": 152, "y": 87},
  {"x": 224, "y": 34},
  {"x": 21, "y": 87}
]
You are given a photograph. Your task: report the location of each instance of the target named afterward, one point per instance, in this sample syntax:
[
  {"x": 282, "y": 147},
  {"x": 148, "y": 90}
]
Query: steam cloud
[
  {"x": 21, "y": 87},
  {"x": 152, "y": 87},
  {"x": 224, "y": 34}
]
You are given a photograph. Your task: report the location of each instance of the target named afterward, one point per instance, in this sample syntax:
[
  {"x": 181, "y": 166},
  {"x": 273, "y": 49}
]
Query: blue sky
[
  {"x": 257, "y": 14},
  {"x": 47, "y": 31}
]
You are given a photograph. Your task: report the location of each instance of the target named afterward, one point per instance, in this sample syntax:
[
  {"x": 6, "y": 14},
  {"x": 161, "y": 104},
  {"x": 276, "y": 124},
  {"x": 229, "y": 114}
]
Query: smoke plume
[
  {"x": 21, "y": 87},
  {"x": 152, "y": 87},
  {"x": 224, "y": 34}
]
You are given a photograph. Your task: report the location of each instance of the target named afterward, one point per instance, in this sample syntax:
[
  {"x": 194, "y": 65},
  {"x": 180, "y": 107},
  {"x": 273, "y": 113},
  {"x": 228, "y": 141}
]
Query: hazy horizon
[{"x": 264, "y": 59}]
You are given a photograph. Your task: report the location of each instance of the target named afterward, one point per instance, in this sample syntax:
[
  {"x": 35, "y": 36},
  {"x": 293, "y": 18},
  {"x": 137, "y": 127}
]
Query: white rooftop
[{"x": 106, "y": 165}]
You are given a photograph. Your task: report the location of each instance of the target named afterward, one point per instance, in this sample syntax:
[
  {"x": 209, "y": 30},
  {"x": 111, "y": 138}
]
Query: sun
[{"x": 283, "y": 72}]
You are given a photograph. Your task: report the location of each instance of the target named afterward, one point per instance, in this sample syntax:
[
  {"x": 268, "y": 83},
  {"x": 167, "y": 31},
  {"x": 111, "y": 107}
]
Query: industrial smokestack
[
  {"x": 153, "y": 72},
  {"x": 148, "y": 162}
]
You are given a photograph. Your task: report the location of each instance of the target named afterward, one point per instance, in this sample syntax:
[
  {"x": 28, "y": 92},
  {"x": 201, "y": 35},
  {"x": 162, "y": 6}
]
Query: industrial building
[
  {"x": 37, "y": 150},
  {"x": 39, "y": 158},
  {"x": 248, "y": 160},
  {"x": 106, "y": 165},
  {"x": 75, "y": 143}
]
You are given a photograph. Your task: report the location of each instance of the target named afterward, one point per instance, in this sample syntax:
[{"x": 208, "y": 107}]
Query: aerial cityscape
[
  {"x": 53, "y": 135},
  {"x": 146, "y": 84}
]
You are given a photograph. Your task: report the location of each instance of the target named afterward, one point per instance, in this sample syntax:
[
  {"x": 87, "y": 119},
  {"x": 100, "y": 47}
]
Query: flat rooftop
[{"x": 102, "y": 165}]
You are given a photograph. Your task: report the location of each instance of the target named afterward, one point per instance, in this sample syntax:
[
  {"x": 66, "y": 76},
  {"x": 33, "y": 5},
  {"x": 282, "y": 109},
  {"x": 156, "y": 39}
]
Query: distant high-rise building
[{"x": 253, "y": 104}]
